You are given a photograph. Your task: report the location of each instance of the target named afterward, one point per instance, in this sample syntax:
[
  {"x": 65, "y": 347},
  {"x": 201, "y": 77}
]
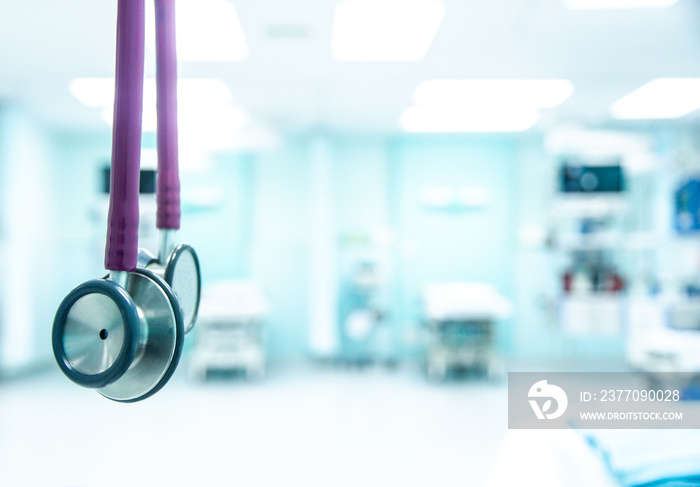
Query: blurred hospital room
[{"x": 264, "y": 243}]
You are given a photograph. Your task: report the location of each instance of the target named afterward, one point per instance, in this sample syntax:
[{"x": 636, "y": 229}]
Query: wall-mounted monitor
[
  {"x": 147, "y": 181},
  {"x": 576, "y": 176}
]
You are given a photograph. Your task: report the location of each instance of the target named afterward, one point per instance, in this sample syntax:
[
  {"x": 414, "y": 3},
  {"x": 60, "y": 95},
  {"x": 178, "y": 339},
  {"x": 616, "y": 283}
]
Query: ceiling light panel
[
  {"x": 191, "y": 119},
  {"x": 450, "y": 120},
  {"x": 93, "y": 92},
  {"x": 206, "y": 30},
  {"x": 662, "y": 98},
  {"x": 547, "y": 93},
  {"x": 385, "y": 30},
  {"x": 617, "y": 4},
  {"x": 99, "y": 92}
]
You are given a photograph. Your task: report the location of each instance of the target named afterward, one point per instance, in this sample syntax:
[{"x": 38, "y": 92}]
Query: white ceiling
[{"x": 291, "y": 81}]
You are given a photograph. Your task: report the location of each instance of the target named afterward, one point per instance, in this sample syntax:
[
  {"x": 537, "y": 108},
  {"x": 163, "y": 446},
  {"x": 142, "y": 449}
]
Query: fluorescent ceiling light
[
  {"x": 385, "y": 30},
  {"x": 603, "y": 144},
  {"x": 192, "y": 91},
  {"x": 93, "y": 92},
  {"x": 482, "y": 105},
  {"x": 212, "y": 119},
  {"x": 432, "y": 119},
  {"x": 662, "y": 98},
  {"x": 617, "y": 4},
  {"x": 545, "y": 93},
  {"x": 215, "y": 119},
  {"x": 207, "y": 31},
  {"x": 99, "y": 92}
]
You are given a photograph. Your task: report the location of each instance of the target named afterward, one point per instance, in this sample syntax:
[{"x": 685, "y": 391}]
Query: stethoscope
[{"x": 123, "y": 334}]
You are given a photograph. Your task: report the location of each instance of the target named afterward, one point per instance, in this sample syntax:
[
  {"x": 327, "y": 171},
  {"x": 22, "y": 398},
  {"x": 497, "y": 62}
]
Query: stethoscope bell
[
  {"x": 123, "y": 339},
  {"x": 181, "y": 272}
]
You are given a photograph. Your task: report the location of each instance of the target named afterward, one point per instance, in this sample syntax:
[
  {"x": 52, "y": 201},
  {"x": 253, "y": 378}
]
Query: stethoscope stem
[
  {"x": 166, "y": 245},
  {"x": 119, "y": 277}
]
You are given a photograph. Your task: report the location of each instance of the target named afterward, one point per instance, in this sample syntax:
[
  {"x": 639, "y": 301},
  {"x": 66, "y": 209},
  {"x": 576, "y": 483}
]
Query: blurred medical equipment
[
  {"x": 461, "y": 318},
  {"x": 361, "y": 313},
  {"x": 687, "y": 206},
  {"x": 591, "y": 304},
  {"x": 577, "y": 176},
  {"x": 588, "y": 229},
  {"x": 664, "y": 327},
  {"x": 230, "y": 335},
  {"x": 123, "y": 334},
  {"x": 591, "y": 272}
]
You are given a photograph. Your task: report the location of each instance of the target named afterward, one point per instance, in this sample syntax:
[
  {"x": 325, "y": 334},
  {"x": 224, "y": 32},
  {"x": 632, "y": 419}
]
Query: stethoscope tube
[
  {"x": 168, "y": 179},
  {"x": 121, "y": 250},
  {"x": 178, "y": 265}
]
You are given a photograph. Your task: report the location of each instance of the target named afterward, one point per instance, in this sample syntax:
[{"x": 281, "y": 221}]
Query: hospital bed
[
  {"x": 461, "y": 317},
  {"x": 664, "y": 335},
  {"x": 230, "y": 335}
]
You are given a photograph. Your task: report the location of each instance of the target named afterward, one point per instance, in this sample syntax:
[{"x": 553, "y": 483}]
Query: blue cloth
[
  {"x": 687, "y": 482},
  {"x": 650, "y": 458}
]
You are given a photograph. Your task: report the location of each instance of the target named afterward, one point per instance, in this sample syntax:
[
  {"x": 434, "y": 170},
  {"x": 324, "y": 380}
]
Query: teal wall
[
  {"x": 28, "y": 243},
  {"x": 261, "y": 229},
  {"x": 463, "y": 245}
]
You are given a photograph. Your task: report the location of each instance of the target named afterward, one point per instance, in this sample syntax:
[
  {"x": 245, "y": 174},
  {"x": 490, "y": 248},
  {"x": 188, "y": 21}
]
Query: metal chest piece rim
[
  {"x": 182, "y": 273},
  {"x": 126, "y": 342},
  {"x": 159, "y": 351},
  {"x": 96, "y": 333}
]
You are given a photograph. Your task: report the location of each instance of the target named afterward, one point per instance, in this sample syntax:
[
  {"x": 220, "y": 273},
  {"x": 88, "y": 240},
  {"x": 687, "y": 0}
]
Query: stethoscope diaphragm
[
  {"x": 126, "y": 342},
  {"x": 95, "y": 333}
]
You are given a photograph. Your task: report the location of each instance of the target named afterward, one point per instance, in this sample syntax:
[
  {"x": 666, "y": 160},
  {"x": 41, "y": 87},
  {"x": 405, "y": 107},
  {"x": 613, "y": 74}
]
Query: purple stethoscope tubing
[
  {"x": 168, "y": 179},
  {"x": 121, "y": 249},
  {"x": 179, "y": 264}
]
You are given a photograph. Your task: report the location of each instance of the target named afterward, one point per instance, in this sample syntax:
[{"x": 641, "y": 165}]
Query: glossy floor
[{"x": 301, "y": 426}]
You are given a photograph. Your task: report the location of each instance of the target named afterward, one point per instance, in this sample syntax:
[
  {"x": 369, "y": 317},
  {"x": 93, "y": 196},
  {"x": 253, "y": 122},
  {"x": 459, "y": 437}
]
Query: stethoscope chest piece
[
  {"x": 182, "y": 273},
  {"x": 125, "y": 342}
]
